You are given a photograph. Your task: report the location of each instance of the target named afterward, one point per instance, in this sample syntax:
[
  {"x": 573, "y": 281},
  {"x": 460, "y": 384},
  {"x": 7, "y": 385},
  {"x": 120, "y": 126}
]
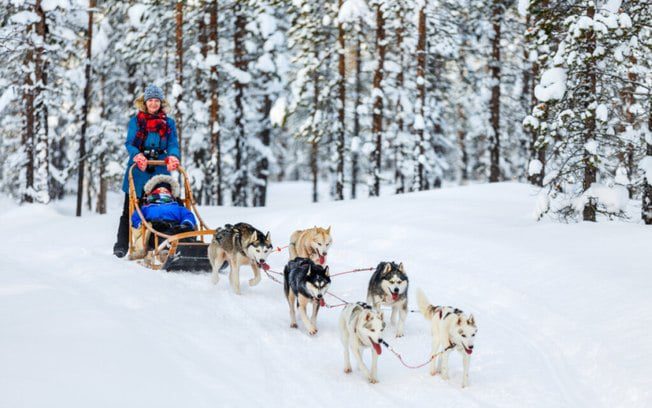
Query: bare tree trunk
[
  {"x": 421, "y": 182},
  {"x": 314, "y": 154},
  {"x": 27, "y": 138},
  {"x": 627, "y": 95},
  {"x": 100, "y": 206},
  {"x": 239, "y": 195},
  {"x": 101, "y": 196},
  {"x": 216, "y": 149},
  {"x": 340, "y": 141},
  {"x": 399, "y": 177},
  {"x": 646, "y": 207},
  {"x": 42, "y": 153},
  {"x": 89, "y": 186},
  {"x": 461, "y": 140},
  {"x": 314, "y": 144},
  {"x": 87, "y": 95},
  {"x": 494, "y": 149},
  {"x": 262, "y": 167},
  {"x": 537, "y": 149},
  {"x": 377, "y": 96},
  {"x": 179, "y": 77},
  {"x": 590, "y": 170},
  {"x": 356, "y": 115}
]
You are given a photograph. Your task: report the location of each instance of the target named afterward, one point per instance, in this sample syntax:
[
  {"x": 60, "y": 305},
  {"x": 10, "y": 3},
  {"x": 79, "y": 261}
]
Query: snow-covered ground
[{"x": 563, "y": 309}]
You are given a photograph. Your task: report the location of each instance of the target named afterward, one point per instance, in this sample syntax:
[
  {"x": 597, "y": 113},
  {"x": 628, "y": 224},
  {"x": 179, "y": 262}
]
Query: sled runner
[{"x": 182, "y": 251}]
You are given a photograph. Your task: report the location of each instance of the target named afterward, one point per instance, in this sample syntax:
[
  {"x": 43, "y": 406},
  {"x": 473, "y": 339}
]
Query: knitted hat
[{"x": 153, "y": 92}]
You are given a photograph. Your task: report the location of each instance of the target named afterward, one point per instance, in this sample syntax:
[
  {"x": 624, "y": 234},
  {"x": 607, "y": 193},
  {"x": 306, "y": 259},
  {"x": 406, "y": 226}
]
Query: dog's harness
[{"x": 449, "y": 311}]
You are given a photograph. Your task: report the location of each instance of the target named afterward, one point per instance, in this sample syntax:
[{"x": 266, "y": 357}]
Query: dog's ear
[
  {"x": 471, "y": 321},
  {"x": 388, "y": 268},
  {"x": 254, "y": 236},
  {"x": 326, "y": 272},
  {"x": 459, "y": 321},
  {"x": 309, "y": 271},
  {"x": 400, "y": 267},
  {"x": 268, "y": 238},
  {"x": 328, "y": 230},
  {"x": 367, "y": 316}
]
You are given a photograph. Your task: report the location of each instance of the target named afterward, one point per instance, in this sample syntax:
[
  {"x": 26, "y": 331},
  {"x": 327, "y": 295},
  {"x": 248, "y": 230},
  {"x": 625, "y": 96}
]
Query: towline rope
[{"x": 400, "y": 358}]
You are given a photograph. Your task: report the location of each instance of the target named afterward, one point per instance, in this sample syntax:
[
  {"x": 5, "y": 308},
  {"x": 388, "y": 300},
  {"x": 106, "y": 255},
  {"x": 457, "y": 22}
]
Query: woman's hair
[{"x": 139, "y": 104}]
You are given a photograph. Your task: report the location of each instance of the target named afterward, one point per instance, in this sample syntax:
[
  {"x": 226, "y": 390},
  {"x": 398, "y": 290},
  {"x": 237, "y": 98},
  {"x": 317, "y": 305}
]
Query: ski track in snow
[{"x": 562, "y": 310}]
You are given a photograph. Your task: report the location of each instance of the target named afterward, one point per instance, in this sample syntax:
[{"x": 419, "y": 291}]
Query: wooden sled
[{"x": 186, "y": 251}]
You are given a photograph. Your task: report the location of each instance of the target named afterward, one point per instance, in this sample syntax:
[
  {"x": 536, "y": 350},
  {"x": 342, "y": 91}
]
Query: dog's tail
[{"x": 427, "y": 310}]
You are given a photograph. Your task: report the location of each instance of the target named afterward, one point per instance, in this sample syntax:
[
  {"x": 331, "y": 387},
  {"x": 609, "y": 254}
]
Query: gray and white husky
[
  {"x": 388, "y": 286},
  {"x": 237, "y": 245},
  {"x": 362, "y": 327},
  {"x": 451, "y": 329},
  {"x": 305, "y": 282}
]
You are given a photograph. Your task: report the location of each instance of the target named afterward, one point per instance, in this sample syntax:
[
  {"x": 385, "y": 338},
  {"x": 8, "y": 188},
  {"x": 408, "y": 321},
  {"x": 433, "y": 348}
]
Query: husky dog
[
  {"x": 450, "y": 329},
  {"x": 388, "y": 286},
  {"x": 237, "y": 245},
  {"x": 311, "y": 243},
  {"x": 305, "y": 282},
  {"x": 361, "y": 327}
]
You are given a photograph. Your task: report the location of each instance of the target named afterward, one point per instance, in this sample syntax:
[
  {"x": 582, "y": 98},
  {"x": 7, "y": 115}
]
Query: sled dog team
[{"x": 306, "y": 280}]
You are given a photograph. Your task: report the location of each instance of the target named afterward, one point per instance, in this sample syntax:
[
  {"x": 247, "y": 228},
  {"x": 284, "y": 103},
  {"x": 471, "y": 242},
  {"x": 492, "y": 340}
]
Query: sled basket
[
  {"x": 185, "y": 251},
  {"x": 190, "y": 257}
]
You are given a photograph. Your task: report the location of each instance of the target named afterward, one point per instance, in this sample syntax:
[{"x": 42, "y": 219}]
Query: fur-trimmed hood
[
  {"x": 162, "y": 178},
  {"x": 139, "y": 104}
]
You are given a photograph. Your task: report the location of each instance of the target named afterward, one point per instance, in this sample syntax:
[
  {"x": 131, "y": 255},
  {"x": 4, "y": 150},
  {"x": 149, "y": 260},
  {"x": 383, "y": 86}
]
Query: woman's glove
[
  {"x": 141, "y": 161},
  {"x": 172, "y": 162}
]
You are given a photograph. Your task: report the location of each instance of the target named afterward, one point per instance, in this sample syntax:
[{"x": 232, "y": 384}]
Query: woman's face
[{"x": 153, "y": 105}]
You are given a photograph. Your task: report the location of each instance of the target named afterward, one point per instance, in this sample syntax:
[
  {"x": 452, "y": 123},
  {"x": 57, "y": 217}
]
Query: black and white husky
[
  {"x": 451, "y": 329},
  {"x": 388, "y": 286},
  {"x": 361, "y": 327},
  {"x": 305, "y": 282}
]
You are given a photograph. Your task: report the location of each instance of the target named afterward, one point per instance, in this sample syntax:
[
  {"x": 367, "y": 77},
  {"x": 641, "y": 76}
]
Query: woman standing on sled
[{"x": 151, "y": 135}]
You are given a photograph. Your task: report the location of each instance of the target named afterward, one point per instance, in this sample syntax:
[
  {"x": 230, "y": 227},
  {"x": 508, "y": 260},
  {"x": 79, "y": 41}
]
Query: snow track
[{"x": 562, "y": 310}]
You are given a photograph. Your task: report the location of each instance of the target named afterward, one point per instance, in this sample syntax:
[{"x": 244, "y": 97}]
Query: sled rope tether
[
  {"x": 400, "y": 358},
  {"x": 267, "y": 272}
]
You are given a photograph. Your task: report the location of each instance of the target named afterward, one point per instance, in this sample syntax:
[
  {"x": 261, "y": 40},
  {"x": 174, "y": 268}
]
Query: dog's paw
[
  {"x": 399, "y": 334},
  {"x": 433, "y": 372},
  {"x": 312, "y": 331},
  {"x": 444, "y": 376},
  {"x": 215, "y": 279},
  {"x": 254, "y": 281},
  {"x": 294, "y": 326},
  {"x": 373, "y": 381},
  {"x": 347, "y": 370}
]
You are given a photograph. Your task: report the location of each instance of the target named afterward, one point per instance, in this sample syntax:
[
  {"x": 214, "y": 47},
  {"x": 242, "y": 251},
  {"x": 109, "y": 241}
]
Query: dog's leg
[
  {"x": 466, "y": 360},
  {"x": 344, "y": 337},
  {"x": 392, "y": 317},
  {"x": 363, "y": 367},
  {"x": 374, "y": 367},
  {"x": 315, "y": 310},
  {"x": 234, "y": 276},
  {"x": 303, "y": 302},
  {"x": 293, "y": 314},
  {"x": 444, "y": 364},
  {"x": 402, "y": 314},
  {"x": 216, "y": 264},
  {"x": 256, "y": 279},
  {"x": 433, "y": 363}
]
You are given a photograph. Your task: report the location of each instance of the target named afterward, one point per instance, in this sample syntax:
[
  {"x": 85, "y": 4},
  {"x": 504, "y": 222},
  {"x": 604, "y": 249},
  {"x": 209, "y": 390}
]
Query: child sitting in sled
[{"x": 163, "y": 211}]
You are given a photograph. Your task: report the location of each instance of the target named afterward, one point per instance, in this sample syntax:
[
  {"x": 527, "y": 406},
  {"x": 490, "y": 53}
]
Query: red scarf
[{"x": 147, "y": 123}]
